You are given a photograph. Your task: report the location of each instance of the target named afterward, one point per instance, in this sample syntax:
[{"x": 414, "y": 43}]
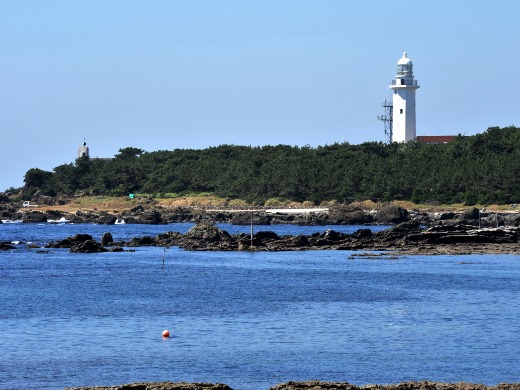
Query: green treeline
[{"x": 484, "y": 168}]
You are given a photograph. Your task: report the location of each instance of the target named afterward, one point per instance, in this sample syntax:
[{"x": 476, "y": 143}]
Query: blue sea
[{"x": 248, "y": 319}]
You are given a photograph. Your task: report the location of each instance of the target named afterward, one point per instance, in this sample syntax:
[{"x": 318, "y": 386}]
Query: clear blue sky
[{"x": 166, "y": 74}]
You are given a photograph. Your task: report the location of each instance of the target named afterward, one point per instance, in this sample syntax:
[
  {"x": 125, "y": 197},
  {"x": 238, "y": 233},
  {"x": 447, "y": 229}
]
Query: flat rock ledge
[
  {"x": 159, "y": 386},
  {"x": 425, "y": 385},
  {"x": 309, "y": 385},
  {"x": 405, "y": 238}
]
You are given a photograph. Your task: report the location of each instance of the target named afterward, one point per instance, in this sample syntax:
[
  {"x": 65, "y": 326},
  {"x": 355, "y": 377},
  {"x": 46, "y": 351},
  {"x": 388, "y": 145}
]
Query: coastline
[
  {"x": 469, "y": 231},
  {"x": 308, "y": 385},
  {"x": 407, "y": 238}
]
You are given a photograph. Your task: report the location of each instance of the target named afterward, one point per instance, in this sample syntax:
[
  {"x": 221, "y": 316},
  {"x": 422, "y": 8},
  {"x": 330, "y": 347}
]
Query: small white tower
[
  {"x": 404, "y": 86},
  {"x": 83, "y": 150}
]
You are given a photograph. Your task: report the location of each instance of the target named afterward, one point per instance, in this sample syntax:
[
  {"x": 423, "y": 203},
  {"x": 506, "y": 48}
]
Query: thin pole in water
[
  {"x": 251, "y": 230},
  {"x": 164, "y": 254}
]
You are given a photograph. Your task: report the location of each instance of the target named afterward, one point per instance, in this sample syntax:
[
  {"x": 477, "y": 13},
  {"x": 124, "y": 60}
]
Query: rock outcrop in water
[
  {"x": 80, "y": 243},
  {"x": 309, "y": 385},
  {"x": 407, "y": 237},
  {"x": 6, "y": 246},
  {"x": 425, "y": 385},
  {"x": 159, "y": 386}
]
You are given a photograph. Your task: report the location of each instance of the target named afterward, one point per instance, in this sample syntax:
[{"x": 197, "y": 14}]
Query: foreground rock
[
  {"x": 80, "y": 243},
  {"x": 309, "y": 385},
  {"x": 69, "y": 242},
  {"x": 6, "y": 246},
  {"x": 89, "y": 246},
  {"x": 318, "y": 385},
  {"x": 159, "y": 386}
]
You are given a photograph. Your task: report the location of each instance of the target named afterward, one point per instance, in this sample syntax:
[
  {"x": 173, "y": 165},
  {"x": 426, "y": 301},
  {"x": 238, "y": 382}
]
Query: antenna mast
[{"x": 386, "y": 118}]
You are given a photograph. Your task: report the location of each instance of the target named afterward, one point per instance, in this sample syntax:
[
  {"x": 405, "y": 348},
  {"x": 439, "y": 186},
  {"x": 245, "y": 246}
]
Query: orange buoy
[{"x": 166, "y": 333}]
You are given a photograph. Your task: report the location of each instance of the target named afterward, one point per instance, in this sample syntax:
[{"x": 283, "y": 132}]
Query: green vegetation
[{"x": 478, "y": 169}]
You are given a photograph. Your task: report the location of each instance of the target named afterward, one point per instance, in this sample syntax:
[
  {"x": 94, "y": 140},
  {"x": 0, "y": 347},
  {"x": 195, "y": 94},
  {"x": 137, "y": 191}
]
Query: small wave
[
  {"x": 9, "y": 221},
  {"x": 61, "y": 220}
]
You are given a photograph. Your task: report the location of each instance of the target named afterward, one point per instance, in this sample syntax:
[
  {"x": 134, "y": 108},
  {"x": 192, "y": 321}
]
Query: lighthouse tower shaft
[{"x": 403, "y": 117}]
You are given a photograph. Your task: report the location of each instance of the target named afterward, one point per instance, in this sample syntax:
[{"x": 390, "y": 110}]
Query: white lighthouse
[
  {"x": 83, "y": 150},
  {"x": 403, "y": 113}
]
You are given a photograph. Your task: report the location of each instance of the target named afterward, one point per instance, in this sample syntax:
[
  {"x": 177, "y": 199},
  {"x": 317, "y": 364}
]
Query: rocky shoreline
[
  {"x": 309, "y": 385},
  {"x": 334, "y": 215},
  {"x": 469, "y": 232},
  {"x": 405, "y": 238}
]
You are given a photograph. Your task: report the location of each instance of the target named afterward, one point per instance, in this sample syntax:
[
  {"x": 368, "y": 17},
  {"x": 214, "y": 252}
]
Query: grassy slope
[{"x": 118, "y": 204}]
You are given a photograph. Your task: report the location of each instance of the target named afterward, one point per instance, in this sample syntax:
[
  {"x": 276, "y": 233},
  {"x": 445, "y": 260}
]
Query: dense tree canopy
[{"x": 483, "y": 168}]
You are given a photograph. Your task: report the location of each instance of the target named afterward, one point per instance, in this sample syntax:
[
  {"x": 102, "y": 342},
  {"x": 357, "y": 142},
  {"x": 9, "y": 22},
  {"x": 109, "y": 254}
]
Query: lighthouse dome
[
  {"x": 404, "y": 67},
  {"x": 404, "y": 60}
]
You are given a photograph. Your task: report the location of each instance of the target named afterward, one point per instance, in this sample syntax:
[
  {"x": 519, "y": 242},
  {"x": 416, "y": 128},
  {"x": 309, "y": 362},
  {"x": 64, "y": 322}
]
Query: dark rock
[
  {"x": 151, "y": 218},
  {"x": 85, "y": 217},
  {"x": 348, "y": 215},
  {"x": 467, "y": 222},
  {"x": 245, "y": 219},
  {"x": 300, "y": 241},
  {"x": 267, "y": 235},
  {"x": 458, "y": 227},
  {"x": 6, "y": 214},
  {"x": 257, "y": 242},
  {"x": 423, "y": 218},
  {"x": 470, "y": 214},
  {"x": 312, "y": 219},
  {"x": 106, "y": 239},
  {"x": 34, "y": 217},
  {"x": 208, "y": 233},
  {"x": 70, "y": 241},
  {"x": 362, "y": 233},
  {"x": 168, "y": 239},
  {"x": 448, "y": 215},
  {"x": 107, "y": 219},
  {"x": 76, "y": 219},
  {"x": 314, "y": 385},
  {"x": 160, "y": 386},
  {"x": 54, "y": 214},
  {"x": 279, "y": 218},
  {"x": 463, "y": 234},
  {"x": 401, "y": 230},
  {"x": 141, "y": 241},
  {"x": 6, "y": 246},
  {"x": 512, "y": 219},
  {"x": 221, "y": 217},
  {"x": 88, "y": 246},
  {"x": 392, "y": 214},
  {"x": 424, "y": 385},
  {"x": 308, "y": 385}
]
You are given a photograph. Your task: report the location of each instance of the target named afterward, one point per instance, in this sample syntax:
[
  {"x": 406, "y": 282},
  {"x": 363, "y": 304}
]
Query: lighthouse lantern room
[{"x": 403, "y": 112}]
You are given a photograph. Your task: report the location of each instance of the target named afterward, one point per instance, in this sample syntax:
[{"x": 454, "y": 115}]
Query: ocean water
[{"x": 250, "y": 320}]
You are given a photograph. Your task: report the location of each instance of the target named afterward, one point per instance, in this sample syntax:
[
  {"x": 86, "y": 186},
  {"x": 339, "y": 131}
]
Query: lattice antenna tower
[{"x": 386, "y": 118}]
